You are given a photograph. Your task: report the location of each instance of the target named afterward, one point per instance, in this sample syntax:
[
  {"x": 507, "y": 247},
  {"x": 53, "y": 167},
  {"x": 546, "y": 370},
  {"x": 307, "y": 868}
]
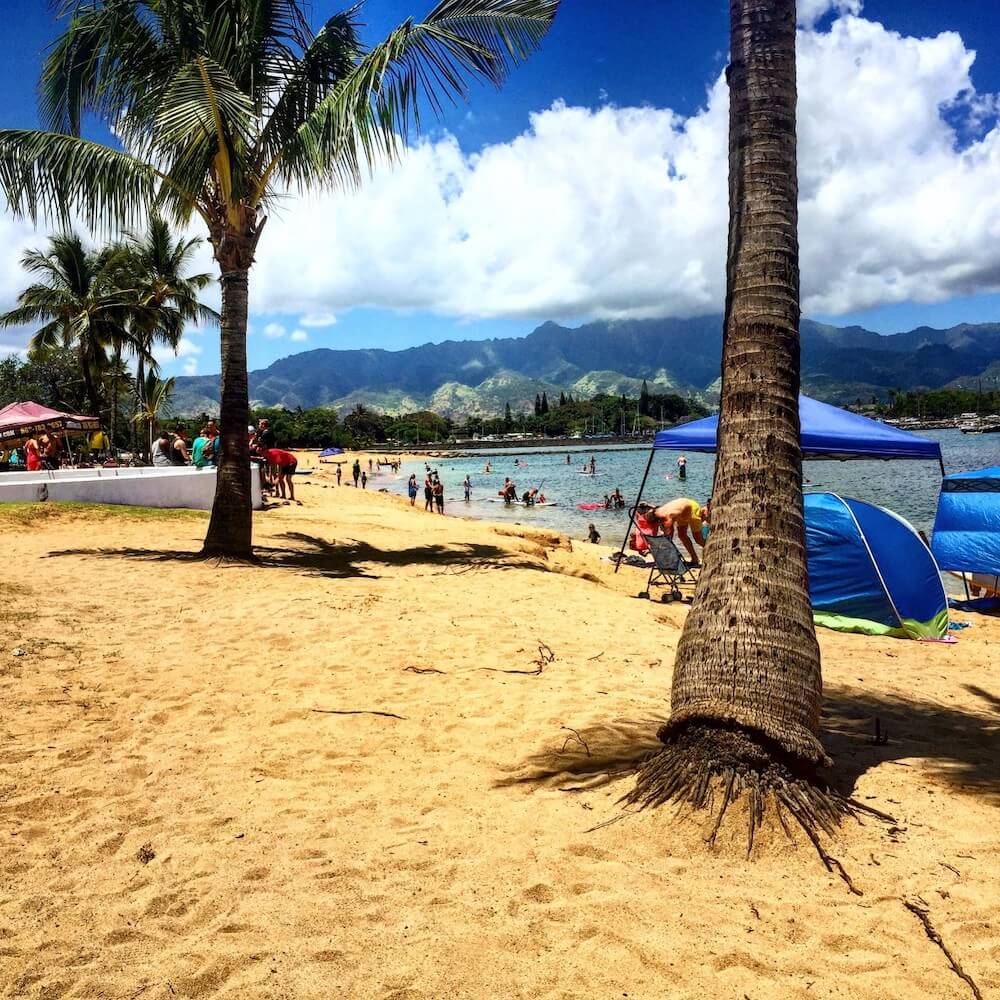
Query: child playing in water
[{"x": 593, "y": 535}]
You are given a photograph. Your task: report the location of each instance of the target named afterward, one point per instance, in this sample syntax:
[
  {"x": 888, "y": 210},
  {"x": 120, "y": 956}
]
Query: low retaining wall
[{"x": 133, "y": 487}]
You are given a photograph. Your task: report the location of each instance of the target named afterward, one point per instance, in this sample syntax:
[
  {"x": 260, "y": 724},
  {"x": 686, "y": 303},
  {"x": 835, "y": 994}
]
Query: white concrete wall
[{"x": 184, "y": 486}]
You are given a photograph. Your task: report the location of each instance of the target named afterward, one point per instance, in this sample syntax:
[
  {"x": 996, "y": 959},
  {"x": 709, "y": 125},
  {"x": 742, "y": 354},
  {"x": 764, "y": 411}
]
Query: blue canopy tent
[
  {"x": 330, "y": 452},
  {"x": 870, "y": 572},
  {"x": 967, "y": 526},
  {"x": 827, "y": 432}
]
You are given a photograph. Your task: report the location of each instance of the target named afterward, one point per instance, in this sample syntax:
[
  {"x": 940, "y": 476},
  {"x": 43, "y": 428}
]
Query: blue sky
[{"x": 599, "y": 55}]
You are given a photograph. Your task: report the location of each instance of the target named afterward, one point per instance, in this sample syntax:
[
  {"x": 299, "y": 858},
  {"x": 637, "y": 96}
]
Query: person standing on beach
[
  {"x": 364, "y": 480},
  {"x": 265, "y": 436},
  {"x": 356, "y": 471},
  {"x": 339, "y": 473},
  {"x": 51, "y": 450},
  {"x": 682, "y": 468},
  {"x": 467, "y": 486},
  {"x": 411, "y": 489},
  {"x": 681, "y": 518},
  {"x": 285, "y": 464},
  {"x": 428, "y": 492},
  {"x": 33, "y": 458},
  {"x": 439, "y": 495}
]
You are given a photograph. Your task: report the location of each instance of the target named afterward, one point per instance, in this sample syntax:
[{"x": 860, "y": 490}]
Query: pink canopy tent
[{"x": 20, "y": 421}]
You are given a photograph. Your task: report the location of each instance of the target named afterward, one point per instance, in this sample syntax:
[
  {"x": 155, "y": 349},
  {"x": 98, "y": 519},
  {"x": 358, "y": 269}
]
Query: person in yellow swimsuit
[{"x": 681, "y": 518}]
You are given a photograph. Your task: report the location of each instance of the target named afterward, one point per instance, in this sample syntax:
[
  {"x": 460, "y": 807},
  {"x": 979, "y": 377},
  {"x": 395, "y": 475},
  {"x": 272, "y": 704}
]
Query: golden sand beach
[{"x": 189, "y": 808}]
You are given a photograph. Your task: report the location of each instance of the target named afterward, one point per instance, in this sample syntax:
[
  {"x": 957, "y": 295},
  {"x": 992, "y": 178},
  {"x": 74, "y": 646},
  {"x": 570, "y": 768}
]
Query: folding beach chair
[{"x": 669, "y": 568}]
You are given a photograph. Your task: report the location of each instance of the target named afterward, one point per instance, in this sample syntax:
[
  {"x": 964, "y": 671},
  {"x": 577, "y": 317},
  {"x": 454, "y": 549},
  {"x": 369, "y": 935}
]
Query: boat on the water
[{"x": 973, "y": 423}]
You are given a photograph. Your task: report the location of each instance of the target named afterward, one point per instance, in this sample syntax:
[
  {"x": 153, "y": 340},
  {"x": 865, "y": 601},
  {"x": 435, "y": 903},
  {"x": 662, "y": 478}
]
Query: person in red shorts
[{"x": 284, "y": 464}]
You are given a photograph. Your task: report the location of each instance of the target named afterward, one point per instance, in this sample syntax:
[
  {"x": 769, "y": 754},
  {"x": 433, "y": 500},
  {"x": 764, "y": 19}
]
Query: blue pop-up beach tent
[
  {"x": 330, "y": 452},
  {"x": 870, "y": 572},
  {"x": 967, "y": 526},
  {"x": 827, "y": 432}
]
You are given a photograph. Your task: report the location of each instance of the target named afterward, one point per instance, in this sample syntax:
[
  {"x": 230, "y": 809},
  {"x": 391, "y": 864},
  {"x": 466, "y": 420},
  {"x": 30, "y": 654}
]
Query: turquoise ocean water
[{"x": 908, "y": 488}]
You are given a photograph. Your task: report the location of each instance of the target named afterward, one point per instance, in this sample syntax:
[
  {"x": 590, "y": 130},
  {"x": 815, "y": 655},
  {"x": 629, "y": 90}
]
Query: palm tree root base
[
  {"x": 711, "y": 767},
  {"x": 224, "y": 556}
]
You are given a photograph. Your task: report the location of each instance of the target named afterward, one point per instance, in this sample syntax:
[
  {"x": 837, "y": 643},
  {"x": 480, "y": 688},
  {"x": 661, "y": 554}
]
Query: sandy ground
[{"x": 182, "y": 816}]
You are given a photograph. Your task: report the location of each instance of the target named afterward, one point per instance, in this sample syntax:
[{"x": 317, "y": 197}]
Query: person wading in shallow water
[{"x": 682, "y": 468}]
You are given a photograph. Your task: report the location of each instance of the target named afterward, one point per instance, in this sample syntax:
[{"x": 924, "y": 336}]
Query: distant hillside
[{"x": 460, "y": 378}]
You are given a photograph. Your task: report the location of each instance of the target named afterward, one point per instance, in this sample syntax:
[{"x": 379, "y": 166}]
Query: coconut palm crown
[{"x": 221, "y": 107}]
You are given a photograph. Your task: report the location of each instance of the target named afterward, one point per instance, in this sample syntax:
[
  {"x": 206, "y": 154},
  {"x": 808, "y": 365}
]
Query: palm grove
[
  {"x": 223, "y": 106},
  {"x": 98, "y": 311}
]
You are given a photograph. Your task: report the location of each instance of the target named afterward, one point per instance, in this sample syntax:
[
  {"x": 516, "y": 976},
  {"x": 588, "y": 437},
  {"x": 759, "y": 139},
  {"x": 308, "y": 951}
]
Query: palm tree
[
  {"x": 166, "y": 295},
  {"x": 153, "y": 400},
  {"x": 747, "y": 686},
  {"x": 221, "y": 107},
  {"x": 79, "y": 301}
]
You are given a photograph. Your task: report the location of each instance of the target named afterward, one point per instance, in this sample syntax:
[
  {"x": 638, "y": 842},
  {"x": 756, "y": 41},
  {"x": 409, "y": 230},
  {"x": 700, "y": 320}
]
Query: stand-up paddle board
[{"x": 521, "y": 503}]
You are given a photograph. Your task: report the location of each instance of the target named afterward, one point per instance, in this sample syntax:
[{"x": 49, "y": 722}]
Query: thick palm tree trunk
[
  {"x": 231, "y": 526},
  {"x": 748, "y": 654},
  {"x": 747, "y": 685}
]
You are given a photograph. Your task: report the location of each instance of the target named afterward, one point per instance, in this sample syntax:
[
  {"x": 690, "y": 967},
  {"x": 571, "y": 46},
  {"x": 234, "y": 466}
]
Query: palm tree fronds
[{"x": 45, "y": 174}]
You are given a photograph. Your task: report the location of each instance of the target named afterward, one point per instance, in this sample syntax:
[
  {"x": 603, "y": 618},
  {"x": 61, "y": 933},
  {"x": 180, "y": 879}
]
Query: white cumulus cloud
[
  {"x": 622, "y": 211},
  {"x": 187, "y": 348},
  {"x": 810, "y": 11},
  {"x": 299, "y": 336},
  {"x": 318, "y": 319}
]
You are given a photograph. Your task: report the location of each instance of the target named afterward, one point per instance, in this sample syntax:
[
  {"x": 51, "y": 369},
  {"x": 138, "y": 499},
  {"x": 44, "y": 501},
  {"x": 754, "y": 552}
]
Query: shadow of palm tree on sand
[
  {"x": 336, "y": 559},
  {"x": 957, "y": 746}
]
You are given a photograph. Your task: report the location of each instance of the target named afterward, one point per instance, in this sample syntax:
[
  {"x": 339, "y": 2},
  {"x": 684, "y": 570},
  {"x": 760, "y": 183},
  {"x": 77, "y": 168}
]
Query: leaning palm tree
[
  {"x": 747, "y": 686},
  {"x": 79, "y": 302},
  {"x": 222, "y": 106}
]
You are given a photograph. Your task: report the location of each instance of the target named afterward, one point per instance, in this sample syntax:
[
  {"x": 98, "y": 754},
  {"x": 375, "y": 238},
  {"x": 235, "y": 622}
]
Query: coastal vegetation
[
  {"x": 940, "y": 404},
  {"x": 220, "y": 108},
  {"x": 317, "y": 427},
  {"x": 95, "y": 312}
]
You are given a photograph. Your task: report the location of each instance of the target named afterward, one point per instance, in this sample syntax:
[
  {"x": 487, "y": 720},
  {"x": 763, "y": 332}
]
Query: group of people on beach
[
  {"x": 433, "y": 490},
  {"x": 277, "y": 466},
  {"x": 36, "y": 454}
]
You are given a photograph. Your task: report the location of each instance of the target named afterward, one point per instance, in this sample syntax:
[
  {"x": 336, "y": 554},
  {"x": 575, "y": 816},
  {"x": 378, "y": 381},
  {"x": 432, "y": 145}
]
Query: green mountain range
[{"x": 460, "y": 378}]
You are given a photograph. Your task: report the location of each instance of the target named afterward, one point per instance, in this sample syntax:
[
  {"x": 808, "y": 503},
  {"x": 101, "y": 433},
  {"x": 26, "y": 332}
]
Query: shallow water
[{"x": 908, "y": 488}]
